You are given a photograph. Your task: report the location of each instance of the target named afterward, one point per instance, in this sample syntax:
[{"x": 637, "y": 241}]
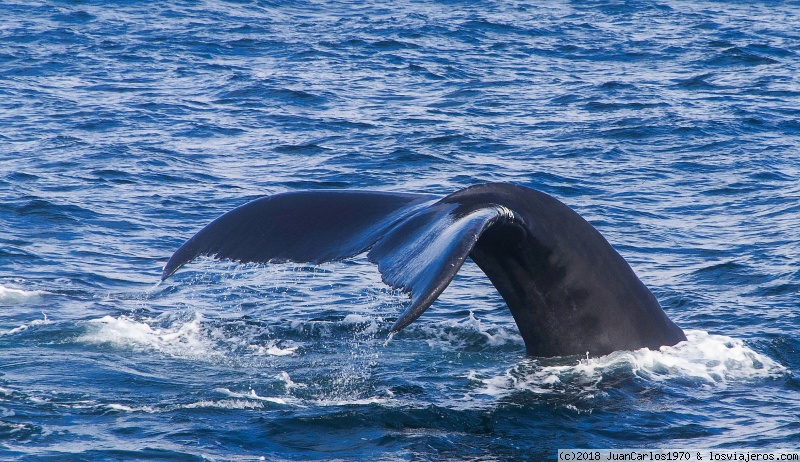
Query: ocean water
[{"x": 672, "y": 126}]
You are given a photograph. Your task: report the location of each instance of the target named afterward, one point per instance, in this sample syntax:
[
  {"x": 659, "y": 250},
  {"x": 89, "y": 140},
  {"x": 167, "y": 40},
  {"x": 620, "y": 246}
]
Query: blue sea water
[{"x": 672, "y": 126}]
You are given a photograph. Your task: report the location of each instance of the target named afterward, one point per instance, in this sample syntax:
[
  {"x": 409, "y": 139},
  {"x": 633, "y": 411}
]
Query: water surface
[{"x": 673, "y": 127}]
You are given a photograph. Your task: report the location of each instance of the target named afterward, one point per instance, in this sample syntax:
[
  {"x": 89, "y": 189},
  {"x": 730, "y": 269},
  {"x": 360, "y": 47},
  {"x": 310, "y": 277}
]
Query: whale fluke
[{"x": 569, "y": 291}]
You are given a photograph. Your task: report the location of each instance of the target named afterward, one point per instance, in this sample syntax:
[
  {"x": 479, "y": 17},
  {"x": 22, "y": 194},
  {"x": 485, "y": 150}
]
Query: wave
[
  {"x": 469, "y": 333},
  {"x": 24, "y": 327},
  {"x": 183, "y": 339},
  {"x": 249, "y": 400},
  {"x": 704, "y": 359},
  {"x": 10, "y": 296},
  {"x": 191, "y": 335},
  {"x": 184, "y": 335}
]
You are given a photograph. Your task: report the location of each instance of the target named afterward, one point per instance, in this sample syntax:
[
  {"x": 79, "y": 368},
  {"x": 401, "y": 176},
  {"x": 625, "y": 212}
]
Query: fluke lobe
[{"x": 569, "y": 291}]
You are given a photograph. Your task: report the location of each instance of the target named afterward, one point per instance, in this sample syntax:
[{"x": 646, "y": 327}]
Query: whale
[{"x": 569, "y": 291}]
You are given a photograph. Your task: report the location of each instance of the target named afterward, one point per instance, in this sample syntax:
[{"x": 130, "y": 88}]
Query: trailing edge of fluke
[{"x": 568, "y": 290}]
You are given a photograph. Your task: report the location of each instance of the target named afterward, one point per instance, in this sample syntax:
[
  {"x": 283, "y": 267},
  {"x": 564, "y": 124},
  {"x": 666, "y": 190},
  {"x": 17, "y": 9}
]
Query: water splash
[
  {"x": 704, "y": 359},
  {"x": 180, "y": 339}
]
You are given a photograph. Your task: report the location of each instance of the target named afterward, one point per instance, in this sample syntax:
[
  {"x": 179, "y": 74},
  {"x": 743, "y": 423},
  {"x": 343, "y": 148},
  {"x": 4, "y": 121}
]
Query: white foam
[
  {"x": 287, "y": 381},
  {"x": 225, "y": 403},
  {"x": 370, "y": 324},
  {"x": 252, "y": 395},
  {"x": 186, "y": 335},
  {"x": 232, "y": 400},
  {"x": 248, "y": 400},
  {"x": 120, "y": 407},
  {"x": 704, "y": 358},
  {"x": 273, "y": 349},
  {"x": 456, "y": 334},
  {"x": 237, "y": 404},
  {"x": 24, "y": 327},
  {"x": 289, "y": 400},
  {"x": 498, "y": 338},
  {"x": 10, "y": 296},
  {"x": 351, "y": 402},
  {"x": 182, "y": 339}
]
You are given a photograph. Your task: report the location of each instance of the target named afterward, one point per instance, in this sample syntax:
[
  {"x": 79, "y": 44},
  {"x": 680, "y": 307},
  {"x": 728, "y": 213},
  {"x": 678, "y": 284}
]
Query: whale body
[{"x": 569, "y": 291}]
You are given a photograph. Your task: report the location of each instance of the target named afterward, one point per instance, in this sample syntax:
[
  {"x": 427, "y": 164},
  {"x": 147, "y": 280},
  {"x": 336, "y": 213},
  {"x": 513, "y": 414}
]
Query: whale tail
[
  {"x": 305, "y": 226},
  {"x": 418, "y": 244},
  {"x": 569, "y": 291}
]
